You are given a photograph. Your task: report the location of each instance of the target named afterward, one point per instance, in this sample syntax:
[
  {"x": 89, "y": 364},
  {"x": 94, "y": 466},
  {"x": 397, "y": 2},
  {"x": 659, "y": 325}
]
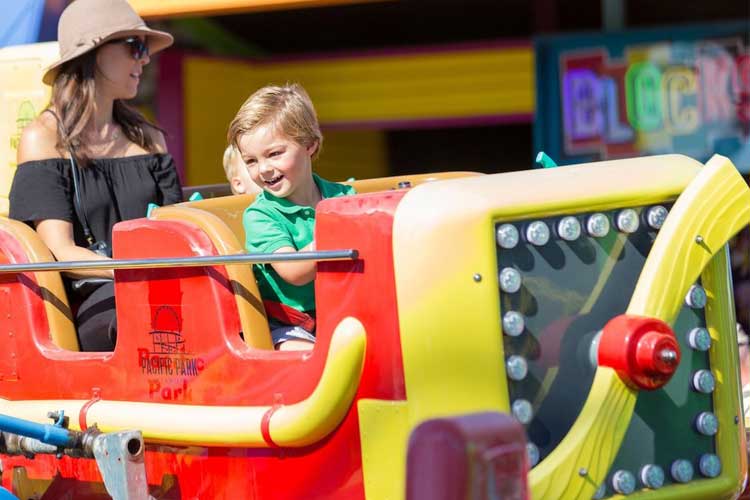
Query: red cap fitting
[{"x": 643, "y": 351}]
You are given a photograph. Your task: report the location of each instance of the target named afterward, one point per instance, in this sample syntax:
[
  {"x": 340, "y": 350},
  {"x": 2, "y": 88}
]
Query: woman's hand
[{"x": 58, "y": 236}]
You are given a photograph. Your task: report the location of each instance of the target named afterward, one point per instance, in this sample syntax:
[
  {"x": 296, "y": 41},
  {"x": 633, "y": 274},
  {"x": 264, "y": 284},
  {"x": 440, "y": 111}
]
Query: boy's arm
[
  {"x": 296, "y": 273},
  {"x": 263, "y": 234}
]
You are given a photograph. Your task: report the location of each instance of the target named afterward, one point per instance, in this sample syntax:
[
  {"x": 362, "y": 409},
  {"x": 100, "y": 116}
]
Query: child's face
[
  {"x": 275, "y": 162},
  {"x": 241, "y": 182}
]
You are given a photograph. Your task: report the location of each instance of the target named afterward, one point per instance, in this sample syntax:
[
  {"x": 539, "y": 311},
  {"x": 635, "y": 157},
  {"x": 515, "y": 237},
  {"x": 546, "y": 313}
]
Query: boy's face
[{"x": 275, "y": 162}]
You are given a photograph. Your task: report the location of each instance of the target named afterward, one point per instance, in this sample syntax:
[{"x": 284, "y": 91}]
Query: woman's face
[{"x": 120, "y": 66}]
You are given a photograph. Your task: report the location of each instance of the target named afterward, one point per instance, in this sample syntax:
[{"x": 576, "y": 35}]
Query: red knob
[{"x": 643, "y": 351}]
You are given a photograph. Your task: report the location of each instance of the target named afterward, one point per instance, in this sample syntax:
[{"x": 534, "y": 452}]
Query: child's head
[
  {"x": 237, "y": 174},
  {"x": 277, "y": 134}
]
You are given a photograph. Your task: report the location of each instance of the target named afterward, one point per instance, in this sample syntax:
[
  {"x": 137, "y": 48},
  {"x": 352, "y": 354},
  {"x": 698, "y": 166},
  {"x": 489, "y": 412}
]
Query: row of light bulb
[
  {"x": 569, "y": 228},
  {"x": 652, "y": 476}
]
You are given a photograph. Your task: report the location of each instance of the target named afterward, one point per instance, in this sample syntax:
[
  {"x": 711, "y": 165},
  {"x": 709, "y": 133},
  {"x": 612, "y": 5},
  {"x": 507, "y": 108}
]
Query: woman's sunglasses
[{"x": 138, "y": 48}]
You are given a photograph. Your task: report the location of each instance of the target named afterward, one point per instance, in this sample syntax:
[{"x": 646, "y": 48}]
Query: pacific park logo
[{"x": 688, "y": 97}]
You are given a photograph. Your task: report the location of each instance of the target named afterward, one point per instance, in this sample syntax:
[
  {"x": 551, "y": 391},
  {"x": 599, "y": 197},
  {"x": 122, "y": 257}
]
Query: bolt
[
  {"x": 477, "y": 277},
  {"x": 668, "y": 356},
  {"x": 699, "y": 239},
  {"x": 582, "y": 472}
]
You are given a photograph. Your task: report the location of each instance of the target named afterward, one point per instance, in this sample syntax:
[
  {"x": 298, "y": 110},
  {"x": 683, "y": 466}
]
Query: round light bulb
[
  {"x": 627, "y": 221},
  {"x": 522, "y": 410},
  {"x": 510, "y": 280},
  {"x": 597, "y": 225},
  {"x": 533, "y": 453},
  {"x": 537, "y": 233},
  {"x": 655, "y": 216},
  {"x": 703, "y": 381},
  {"x": 623, "y": 482},
  {"x": 709, "y": 465},
  {"x": 681, "y": 471},
  {"x": 696, "y": 297},
  {"x": 507, "y": 236},
  {"x": 569, "y": 228},
  {"x": 699, "y": 339},
  {"x": 652, "y": 476},
  {"x": 516, "y": 367},
  {"x": 513, "y": 323},
  {"x": 707, "y": 423},
  {"x": 600, "y": 492}
]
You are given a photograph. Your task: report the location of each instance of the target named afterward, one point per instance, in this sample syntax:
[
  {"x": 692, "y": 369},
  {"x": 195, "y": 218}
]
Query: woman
[{"x": 89, "y": 160}]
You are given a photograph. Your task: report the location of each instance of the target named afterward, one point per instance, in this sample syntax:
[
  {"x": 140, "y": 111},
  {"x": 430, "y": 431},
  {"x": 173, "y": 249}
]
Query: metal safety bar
[{"x": 198, "y": 261}]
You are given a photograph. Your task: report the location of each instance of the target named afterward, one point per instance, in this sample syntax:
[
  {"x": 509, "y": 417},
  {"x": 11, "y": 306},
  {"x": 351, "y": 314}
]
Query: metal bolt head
[
  {"x": 569, "y": 228},
  {"x": 510, "y": 280},
  {"x": 703, "y": 381},
  {"x": 507, "y": 236},
  {"x": 709, "y": 465},
  {"x": 706, "y": 423},
  {"x": 681, "y": 471},
  {"x": 668, "y": 356},
  {"x": 522, "y": 410},
  {"x": 696, "y": 297},
  {"x": 699, "y": 339},
  {"x": 597, "y": 225},
  {"x": 652, "y": 476},
  {"x": 537, "y": 233},
  {"x": 532, "y": 452},
  {"x": 516, "y": 367},
  {"x": 627, "y": 221},
  {"x": 623, "y": 482},
  {"x": 600, "y": 492},
  {"x": 513, "y": 323},
  {"x": 656, "y": 215}
]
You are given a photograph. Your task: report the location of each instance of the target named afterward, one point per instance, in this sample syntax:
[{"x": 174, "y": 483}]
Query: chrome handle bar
[{"x": 197, "y": 261}]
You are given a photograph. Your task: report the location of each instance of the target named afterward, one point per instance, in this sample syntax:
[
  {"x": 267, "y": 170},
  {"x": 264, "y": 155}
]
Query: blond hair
[
  {"x": 228, "y": 161},
  {"x": 288, "y": 108}
]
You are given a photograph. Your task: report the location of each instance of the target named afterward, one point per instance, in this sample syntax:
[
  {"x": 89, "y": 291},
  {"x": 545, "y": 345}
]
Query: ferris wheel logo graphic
[{"x": 166, "y": 337}]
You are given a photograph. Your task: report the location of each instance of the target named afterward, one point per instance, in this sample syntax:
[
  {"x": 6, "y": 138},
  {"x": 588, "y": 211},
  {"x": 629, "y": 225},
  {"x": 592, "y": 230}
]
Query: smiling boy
[{"x": 277, "y": 133}]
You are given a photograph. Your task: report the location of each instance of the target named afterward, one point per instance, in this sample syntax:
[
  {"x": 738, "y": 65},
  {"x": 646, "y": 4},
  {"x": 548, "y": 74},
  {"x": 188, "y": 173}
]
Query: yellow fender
[{"x": 295, "y": 425}]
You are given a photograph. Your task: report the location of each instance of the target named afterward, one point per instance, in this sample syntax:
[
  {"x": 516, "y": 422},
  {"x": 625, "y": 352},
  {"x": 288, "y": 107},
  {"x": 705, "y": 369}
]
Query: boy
[
  {"x": 236, "y": 172},
  {"x": 277, "y": 134}
]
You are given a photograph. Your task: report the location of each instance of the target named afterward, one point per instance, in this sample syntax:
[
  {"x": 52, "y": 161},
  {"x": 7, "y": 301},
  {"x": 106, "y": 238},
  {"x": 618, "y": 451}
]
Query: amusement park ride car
[
  {"x": 563, "y": 333},
  {"x": 591, "y": 302}
]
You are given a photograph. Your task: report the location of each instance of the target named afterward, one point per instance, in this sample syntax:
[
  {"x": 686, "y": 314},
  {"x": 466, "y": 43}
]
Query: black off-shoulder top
[{"x": 112, "y": 189}]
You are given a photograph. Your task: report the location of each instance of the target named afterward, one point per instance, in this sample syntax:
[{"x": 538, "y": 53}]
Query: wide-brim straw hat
[{"x": 86, "y": 24}]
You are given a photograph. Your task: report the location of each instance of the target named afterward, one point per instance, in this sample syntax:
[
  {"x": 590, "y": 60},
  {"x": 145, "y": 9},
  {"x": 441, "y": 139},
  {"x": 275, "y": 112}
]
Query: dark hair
[{"x": 73, "y": 101}]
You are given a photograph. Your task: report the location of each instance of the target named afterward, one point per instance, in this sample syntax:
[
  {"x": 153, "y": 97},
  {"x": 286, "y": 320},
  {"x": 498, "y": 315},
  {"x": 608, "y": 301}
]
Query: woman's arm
[
  {"x": 165, "y": 174},
  {"x": 58, "y": 236},
  {"x": 38, "y": 142},
  {"x": 296, "y": 273}
]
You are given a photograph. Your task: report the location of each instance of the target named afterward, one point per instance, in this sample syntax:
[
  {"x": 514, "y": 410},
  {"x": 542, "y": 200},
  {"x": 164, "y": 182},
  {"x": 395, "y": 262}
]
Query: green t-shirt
[{"x": 271, "y": 223}]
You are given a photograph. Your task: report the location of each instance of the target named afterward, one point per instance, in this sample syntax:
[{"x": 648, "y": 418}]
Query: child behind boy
[
  {"x": 237, "y": 174},
  {"x": 277, "y": 134}
]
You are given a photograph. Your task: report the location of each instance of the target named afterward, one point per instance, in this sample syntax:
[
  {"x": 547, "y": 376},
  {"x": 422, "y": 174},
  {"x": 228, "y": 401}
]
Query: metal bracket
[{"x": 120, "y": 457}]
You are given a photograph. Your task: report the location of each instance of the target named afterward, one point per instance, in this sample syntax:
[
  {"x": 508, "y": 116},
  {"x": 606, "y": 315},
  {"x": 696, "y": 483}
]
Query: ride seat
[
  {"x": 20, "y": 244},
  {"x": 249, "y": 304}
]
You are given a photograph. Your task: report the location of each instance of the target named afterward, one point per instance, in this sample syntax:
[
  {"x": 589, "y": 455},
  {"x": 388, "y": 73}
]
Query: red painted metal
[
  {"x": 179, "y": 344},
  {"x": 635, "y": 347},
  {"x": 481, "y": 456}
]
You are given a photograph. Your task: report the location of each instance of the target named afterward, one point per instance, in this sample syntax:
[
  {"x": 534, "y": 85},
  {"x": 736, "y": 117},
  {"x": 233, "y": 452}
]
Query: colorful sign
[{"x": 652, "y": 92}]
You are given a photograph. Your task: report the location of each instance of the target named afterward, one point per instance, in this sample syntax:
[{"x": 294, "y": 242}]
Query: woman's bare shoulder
[
  {"x": 157, "y": 136},
  {"x": 39, "y": 139}
]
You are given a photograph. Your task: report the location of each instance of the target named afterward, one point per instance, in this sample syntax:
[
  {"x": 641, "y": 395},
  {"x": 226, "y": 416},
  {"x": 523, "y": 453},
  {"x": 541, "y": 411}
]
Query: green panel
[
  {"x": 570, "y": 291},
  {"x": 663, "y": 425}
]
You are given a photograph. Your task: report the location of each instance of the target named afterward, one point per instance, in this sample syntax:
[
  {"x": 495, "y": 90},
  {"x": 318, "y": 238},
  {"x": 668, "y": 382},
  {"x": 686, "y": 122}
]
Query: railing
[{"x": 197, "y": 261}]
